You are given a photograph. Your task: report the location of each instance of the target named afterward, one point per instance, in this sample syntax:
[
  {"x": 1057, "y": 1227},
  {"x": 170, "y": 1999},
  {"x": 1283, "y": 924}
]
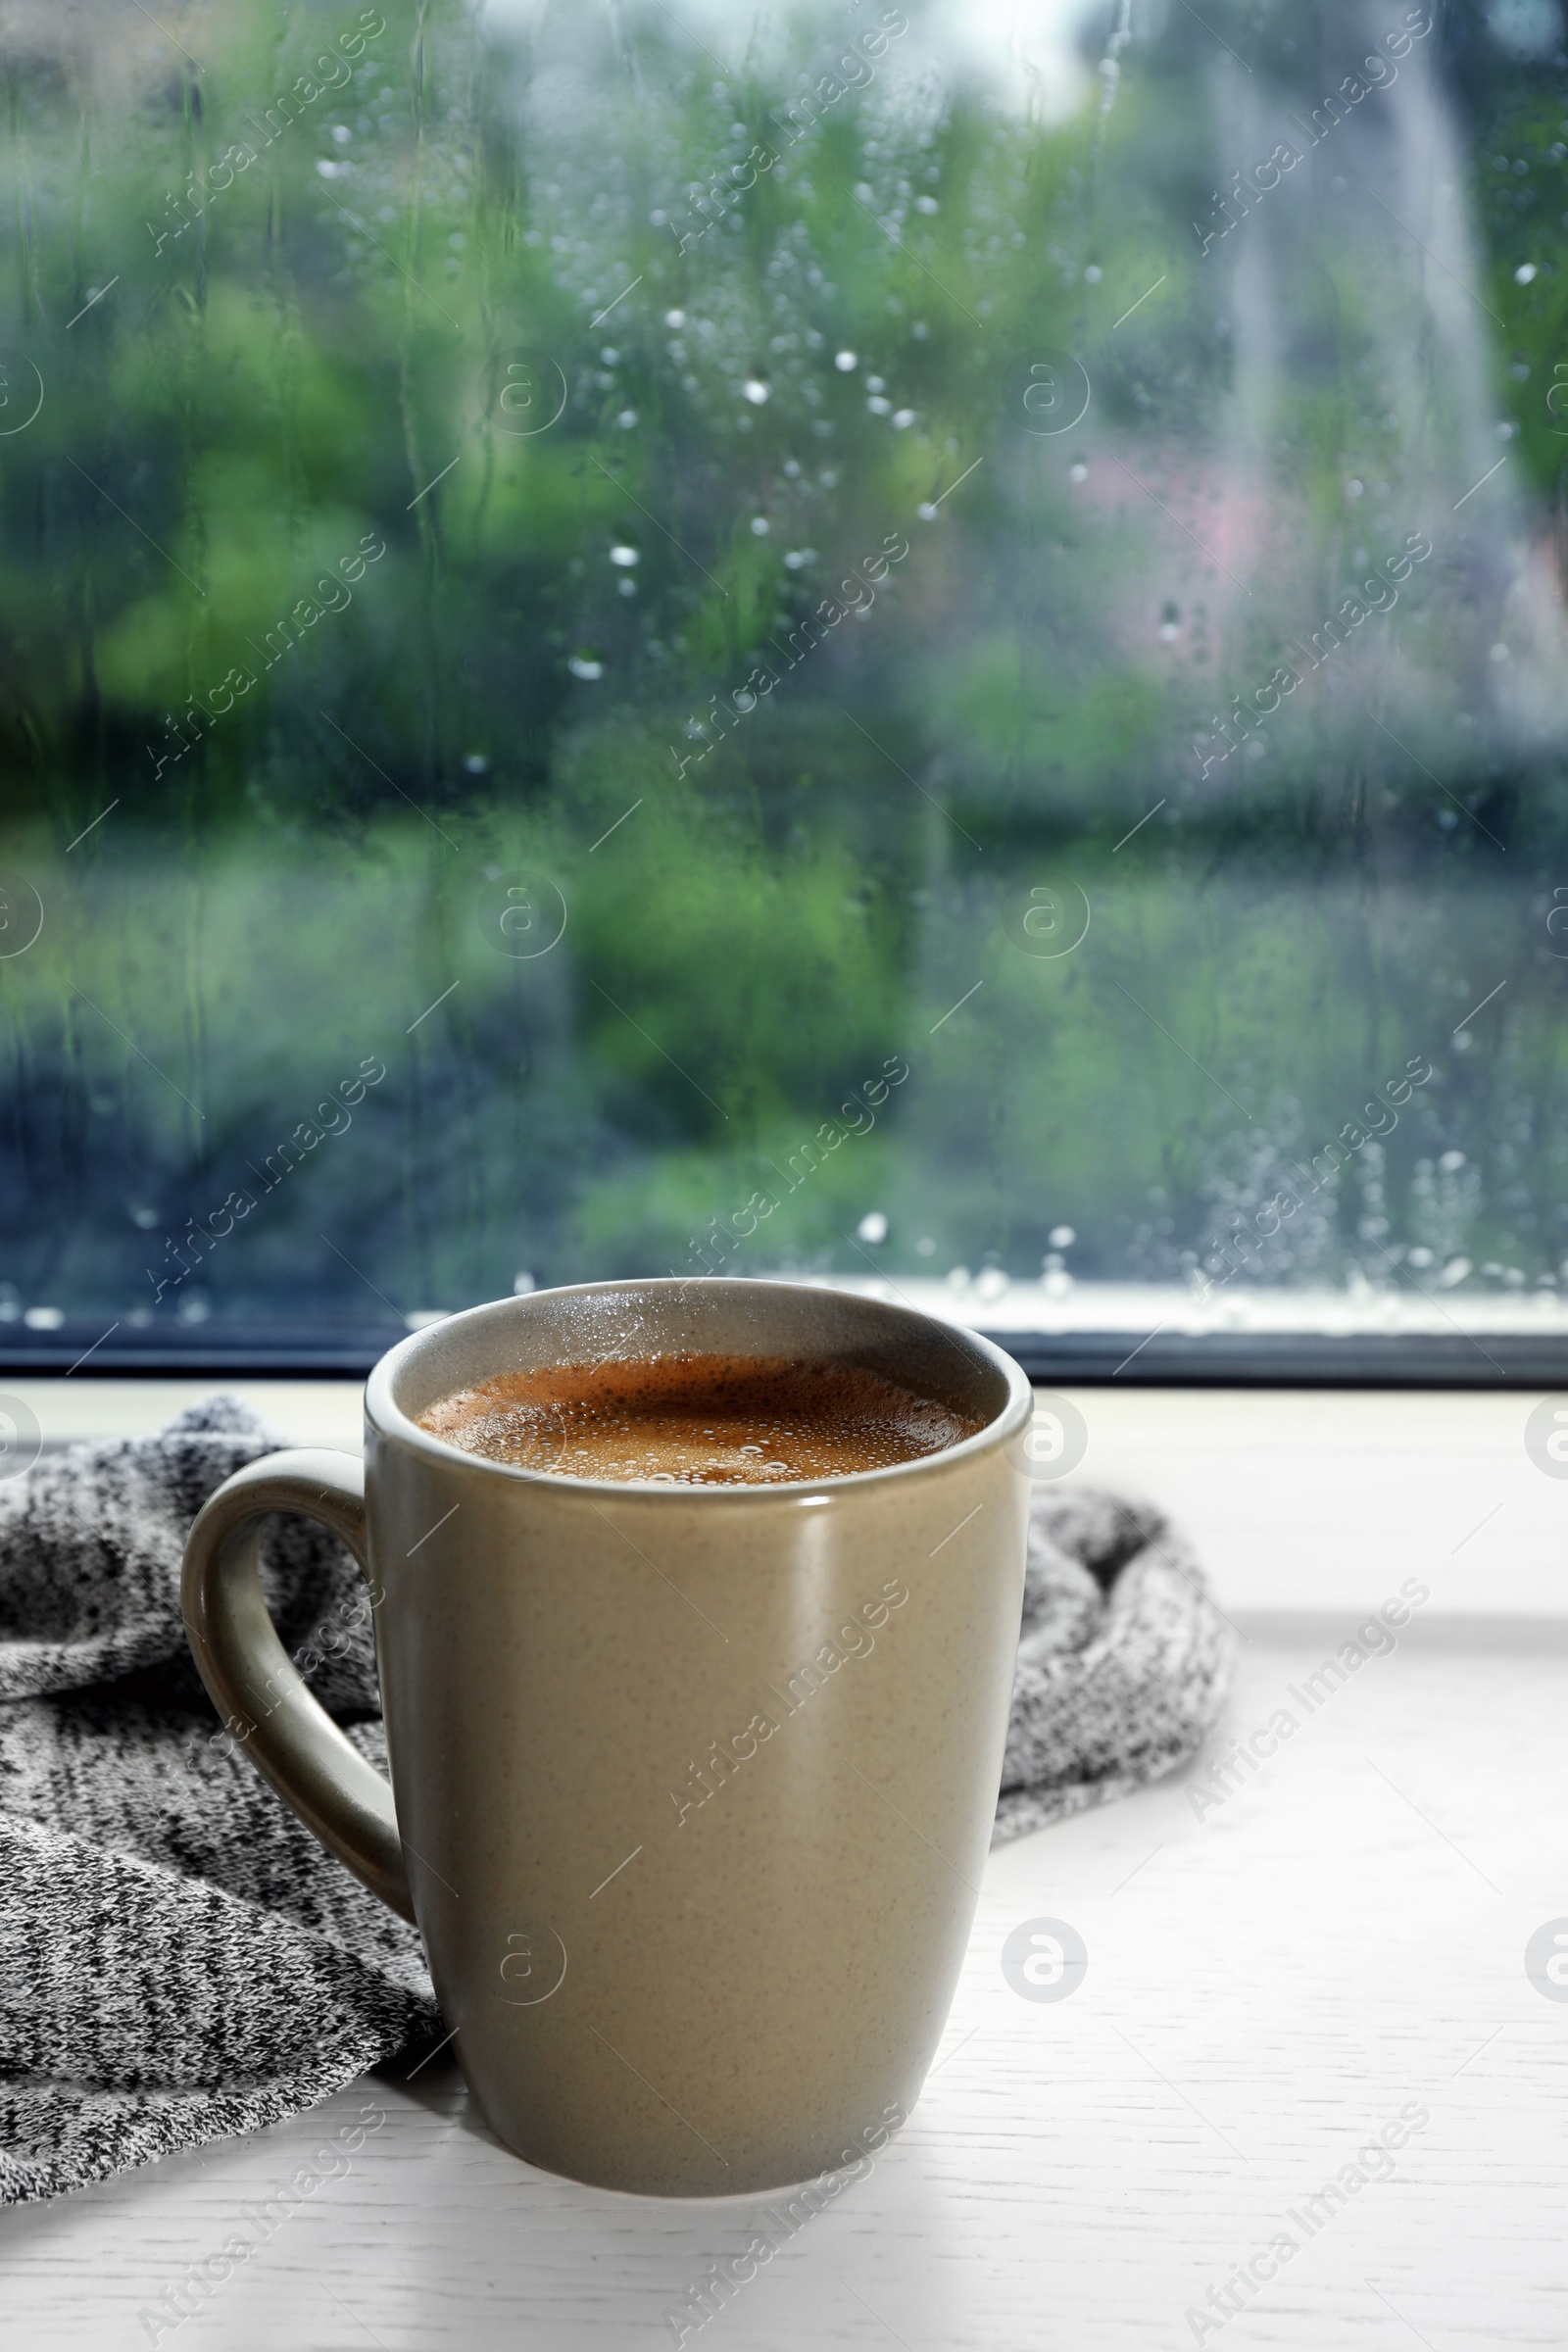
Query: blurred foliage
[{"x": 323, "y": 765}]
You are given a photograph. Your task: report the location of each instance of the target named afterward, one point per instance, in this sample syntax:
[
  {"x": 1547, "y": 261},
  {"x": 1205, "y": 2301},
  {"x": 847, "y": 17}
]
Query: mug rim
[{"x": 386, "y": 1417}]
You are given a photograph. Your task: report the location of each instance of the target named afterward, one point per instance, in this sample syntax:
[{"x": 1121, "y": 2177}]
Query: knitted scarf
[{"x": 180, "y": 1960}]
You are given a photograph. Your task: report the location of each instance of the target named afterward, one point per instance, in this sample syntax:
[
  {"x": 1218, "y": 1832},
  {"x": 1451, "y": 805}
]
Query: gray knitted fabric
[
  {"x": 1124, "y": 1662},
  {"x": 180, "y": 1960}
]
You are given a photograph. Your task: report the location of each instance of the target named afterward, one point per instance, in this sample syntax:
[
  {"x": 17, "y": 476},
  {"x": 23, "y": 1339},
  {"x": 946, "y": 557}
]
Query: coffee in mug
[
  {"x": 698, "y": 1420},
  {"x": 696, "y": 1608}
]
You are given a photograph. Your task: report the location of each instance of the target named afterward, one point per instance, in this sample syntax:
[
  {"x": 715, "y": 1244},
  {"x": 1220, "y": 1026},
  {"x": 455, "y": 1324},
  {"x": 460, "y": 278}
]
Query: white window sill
[
  {"x": 1275, "y": 1973},
  {"x": 1299, "y": 1502}
]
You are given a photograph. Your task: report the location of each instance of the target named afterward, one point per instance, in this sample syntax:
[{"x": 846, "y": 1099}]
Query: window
[{"x": 642, "y": 640}]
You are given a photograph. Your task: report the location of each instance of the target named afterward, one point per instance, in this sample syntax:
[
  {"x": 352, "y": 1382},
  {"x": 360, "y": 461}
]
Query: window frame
[{"x": 1086, "y": 1358}]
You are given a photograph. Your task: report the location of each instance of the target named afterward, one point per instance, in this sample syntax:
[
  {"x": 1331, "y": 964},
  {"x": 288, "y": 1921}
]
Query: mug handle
[{"x": 254, "y": 1684}]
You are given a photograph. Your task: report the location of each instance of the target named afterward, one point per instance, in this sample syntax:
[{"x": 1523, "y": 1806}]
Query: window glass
[{"x": 906, "y": 645}]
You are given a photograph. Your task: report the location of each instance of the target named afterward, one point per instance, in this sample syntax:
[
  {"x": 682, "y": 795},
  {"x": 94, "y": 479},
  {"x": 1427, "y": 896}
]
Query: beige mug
[{"x": 691, "y": 1789}]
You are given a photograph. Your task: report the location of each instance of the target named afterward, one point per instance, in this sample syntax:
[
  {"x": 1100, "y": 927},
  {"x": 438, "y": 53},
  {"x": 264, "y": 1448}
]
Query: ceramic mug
[{"x": 691, "y": 1787}]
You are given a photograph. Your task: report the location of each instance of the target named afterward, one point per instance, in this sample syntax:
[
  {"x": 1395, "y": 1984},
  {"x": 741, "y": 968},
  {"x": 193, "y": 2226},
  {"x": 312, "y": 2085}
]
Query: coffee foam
[{"x": 690, "y": 1420}]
